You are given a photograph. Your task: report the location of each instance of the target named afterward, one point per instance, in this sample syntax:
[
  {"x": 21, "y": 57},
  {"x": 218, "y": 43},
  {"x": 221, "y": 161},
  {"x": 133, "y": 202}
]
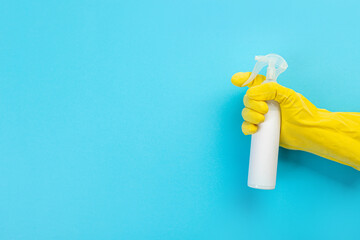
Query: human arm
[{"x": 332, "y": 135}]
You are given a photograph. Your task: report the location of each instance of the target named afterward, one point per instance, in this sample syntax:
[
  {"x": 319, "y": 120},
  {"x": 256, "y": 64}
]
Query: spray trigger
[{"x": 276, "y": 65}]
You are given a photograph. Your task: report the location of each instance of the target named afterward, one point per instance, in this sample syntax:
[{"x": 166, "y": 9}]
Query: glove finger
[
  {"x": 259, "y": 106},
  {"x": 239, "y": 78},
  {"x": 270, "y": 91},
  {"x": 252, "y": 116},
  {"x": 249, "y": 128}
]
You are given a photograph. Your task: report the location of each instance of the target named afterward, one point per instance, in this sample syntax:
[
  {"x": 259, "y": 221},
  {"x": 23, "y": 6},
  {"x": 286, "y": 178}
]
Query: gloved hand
[{"x": 332, "y": 135}]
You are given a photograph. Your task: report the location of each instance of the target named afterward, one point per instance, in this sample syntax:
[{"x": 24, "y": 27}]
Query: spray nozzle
[{"x": 276, "y": 65}]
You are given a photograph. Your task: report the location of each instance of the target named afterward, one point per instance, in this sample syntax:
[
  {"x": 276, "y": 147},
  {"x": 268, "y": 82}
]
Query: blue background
[{"x": 119, "y": 120}]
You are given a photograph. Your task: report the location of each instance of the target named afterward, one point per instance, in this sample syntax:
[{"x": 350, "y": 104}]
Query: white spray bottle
[{"x": 265, "y": 142}]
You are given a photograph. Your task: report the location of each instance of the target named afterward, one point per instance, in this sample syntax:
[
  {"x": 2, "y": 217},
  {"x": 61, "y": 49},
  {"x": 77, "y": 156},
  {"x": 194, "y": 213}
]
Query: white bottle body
[{"x": 264, "y": 150}]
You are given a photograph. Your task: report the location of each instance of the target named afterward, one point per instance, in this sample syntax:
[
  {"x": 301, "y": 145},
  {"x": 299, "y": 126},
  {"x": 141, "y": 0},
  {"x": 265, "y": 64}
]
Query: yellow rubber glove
[{"x": 332, "y": 135}]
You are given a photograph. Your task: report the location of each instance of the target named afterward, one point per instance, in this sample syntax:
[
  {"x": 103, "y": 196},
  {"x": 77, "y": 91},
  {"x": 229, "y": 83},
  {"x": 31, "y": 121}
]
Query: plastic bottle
[{"x": 265, "y": 142}]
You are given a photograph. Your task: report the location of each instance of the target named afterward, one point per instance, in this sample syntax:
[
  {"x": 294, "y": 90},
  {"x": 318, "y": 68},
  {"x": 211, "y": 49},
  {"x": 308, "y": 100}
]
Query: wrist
[{"x": 335, "y": 136}]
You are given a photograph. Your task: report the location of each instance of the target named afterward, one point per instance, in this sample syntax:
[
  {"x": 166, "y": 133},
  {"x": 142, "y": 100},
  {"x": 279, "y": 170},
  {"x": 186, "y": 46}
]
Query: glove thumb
[{"x": 238, "y": 79}]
